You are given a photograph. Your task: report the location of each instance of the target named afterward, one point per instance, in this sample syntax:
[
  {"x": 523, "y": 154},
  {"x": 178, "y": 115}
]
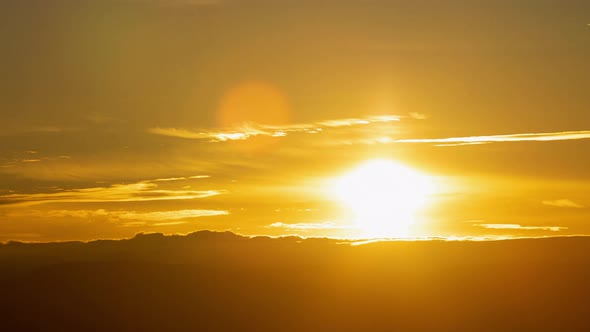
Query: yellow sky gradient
[{"x": 127, "y": 116}]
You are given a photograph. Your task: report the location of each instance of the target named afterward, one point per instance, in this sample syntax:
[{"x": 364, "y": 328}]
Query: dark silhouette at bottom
[{"x": 209, "y": 281}]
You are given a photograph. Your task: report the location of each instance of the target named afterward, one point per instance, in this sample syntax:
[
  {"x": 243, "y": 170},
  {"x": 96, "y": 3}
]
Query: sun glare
[{"x": 384, "y": 197}]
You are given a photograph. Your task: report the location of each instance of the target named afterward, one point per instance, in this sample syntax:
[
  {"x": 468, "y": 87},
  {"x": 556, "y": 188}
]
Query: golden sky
[{"x": 127, "y": 116}]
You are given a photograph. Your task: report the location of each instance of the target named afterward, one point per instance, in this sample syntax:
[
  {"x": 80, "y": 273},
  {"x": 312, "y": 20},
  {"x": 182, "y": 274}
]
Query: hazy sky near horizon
[{"x": 126, "y": 116}]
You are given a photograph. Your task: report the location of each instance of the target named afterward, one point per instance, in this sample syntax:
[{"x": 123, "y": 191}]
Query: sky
[{"x": 127, "y": 116}]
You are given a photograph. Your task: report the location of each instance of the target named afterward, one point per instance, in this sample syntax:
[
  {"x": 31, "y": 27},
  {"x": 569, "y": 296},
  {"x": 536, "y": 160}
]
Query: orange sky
[{"x": 127, "y": 116}]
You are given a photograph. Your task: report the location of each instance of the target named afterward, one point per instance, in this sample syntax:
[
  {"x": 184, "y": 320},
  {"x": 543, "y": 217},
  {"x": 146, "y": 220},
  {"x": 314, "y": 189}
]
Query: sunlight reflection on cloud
[
  {"x": 250, "y": 129},
  {"x": 133, "y": 192}
]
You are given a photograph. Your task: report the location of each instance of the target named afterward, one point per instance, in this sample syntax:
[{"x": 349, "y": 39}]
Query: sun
[{"x": 384, "y": 197}]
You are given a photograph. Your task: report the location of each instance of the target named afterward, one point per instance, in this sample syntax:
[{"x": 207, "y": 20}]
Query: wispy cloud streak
[
  {"x": 565, "y": 203},
  {"x": 520, "y": 227},
  {"x": 120, "y": 215},
  {"x": 252, "y": 129},
  {"x": 530, "y": 137},
  {"x": 134, "y": 192},
  {"x": 181, "y": 178},
  {"x": 308, "y": 226}
]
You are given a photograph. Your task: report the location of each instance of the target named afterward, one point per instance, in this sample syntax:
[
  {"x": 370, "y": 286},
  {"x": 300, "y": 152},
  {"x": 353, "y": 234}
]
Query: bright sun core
[{"x": 384, "y": 197}]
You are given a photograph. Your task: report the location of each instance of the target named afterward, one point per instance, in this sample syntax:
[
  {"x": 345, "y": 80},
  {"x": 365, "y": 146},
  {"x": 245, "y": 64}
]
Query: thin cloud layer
[
  {"x": 253, "y": 129},
  {"x": 308, "y": 226},
  {"x": 121, "y": 215},
  {"x": 181, "y": 178},
  {"x": 520, "y": 227},
  {"x": 565, "y": 203},
  {"x": 134, "y": 192},
  {"x": 529, "y": 137},
  {"x": 170, "y": 215},
  {"x": 418, "y": 116},
  {"x": 28, "y": 157}
]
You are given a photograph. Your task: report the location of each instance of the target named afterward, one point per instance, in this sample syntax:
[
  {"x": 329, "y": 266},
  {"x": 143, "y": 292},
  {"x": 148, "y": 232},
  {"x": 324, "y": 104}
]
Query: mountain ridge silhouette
[{"x": 221, "y": 281}]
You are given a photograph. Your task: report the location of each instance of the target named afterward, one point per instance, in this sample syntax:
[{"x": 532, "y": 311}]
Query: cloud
[
  {"x": 134, "y": 192},
  {"x": 171, "y": 215},
  {"x": 460, "y": 144},
  {"x": 59, "y": 213},
  {"x": 17, "y": 130},
  {"x": 121, "y": 215},
  {"x": 46, "y": 129},
  {"x": 28, "y": 157},
  {"x": 418, "y": 116},
  {"x": 535, "y": 137},
  {"x": 566, "y": 203},
  {"x": 357, "y": 121},
  {"x": 181, "y": 178},
  {"x": 242, "y": 133},
  {"x": 308, "y": 226},
  {"x": 250, "y": 130},
  {"x": 520, "y": 227},
  {"x": 253, "y": 129}
]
